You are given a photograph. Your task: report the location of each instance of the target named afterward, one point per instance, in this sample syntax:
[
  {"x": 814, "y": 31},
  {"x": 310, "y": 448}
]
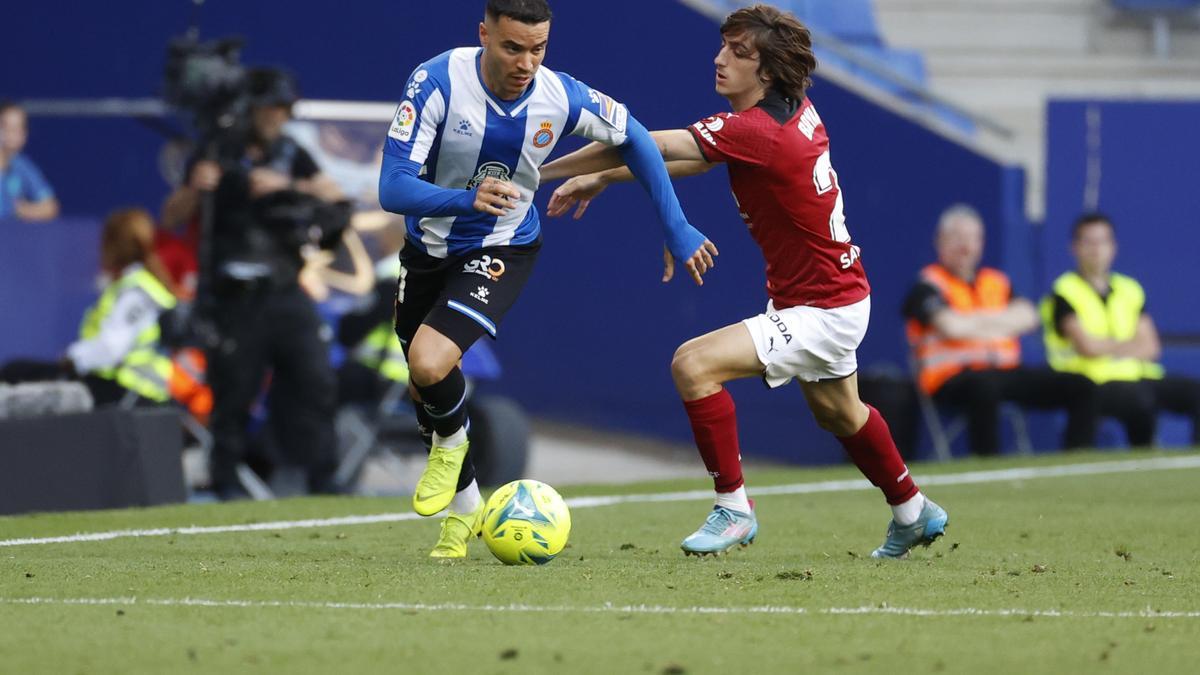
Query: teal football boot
[
  {"x": 722, "y": 530},
  {"x": 902, "y": 538}
]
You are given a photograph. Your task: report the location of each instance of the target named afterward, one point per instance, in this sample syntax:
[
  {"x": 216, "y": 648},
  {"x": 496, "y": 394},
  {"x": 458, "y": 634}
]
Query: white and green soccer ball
[{"x": 526, "y": 522}]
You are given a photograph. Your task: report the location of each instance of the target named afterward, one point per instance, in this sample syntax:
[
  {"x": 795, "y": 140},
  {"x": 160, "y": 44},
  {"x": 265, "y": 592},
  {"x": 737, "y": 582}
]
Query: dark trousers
[
  {"x": 276, "y": 329},
  {"x": 979, "y": 393},
  {"x": 1137, "y": 404}
]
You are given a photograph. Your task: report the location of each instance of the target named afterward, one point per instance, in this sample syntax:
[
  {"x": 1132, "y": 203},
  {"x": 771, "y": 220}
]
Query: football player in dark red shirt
[{"x": 777, "y": 151}]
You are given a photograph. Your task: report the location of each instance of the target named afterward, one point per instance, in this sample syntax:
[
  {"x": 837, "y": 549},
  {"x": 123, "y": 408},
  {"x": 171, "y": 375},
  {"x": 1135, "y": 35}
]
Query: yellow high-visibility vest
[
  {"x": 144, "y": 369},
  {"x": 381, "y": 351},
  {"x": 1113, "y": 318}
]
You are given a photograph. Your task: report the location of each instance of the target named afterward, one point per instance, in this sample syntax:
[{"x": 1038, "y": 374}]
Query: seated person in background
[
  {"x": 1096, "y": 325},
  {"x": 117, "y": 354},
  {"x": 24, "y": 192},
  {"x": 963, "y": 325}
]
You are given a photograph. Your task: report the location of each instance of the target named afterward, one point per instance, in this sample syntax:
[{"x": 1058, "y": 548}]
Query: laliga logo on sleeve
[
  {"x": 544, "y": 136},
  {"x": 404, "y": 122}
]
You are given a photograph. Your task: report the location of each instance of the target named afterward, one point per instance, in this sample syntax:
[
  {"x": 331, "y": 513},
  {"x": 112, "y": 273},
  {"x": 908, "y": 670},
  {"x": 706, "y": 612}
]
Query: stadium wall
[
  {"x": 591, "y": 340},
  {"x": 1137, "y": 161}
]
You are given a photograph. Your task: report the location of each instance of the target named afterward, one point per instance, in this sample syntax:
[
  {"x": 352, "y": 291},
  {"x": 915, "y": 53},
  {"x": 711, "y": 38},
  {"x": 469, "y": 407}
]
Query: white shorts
[{"x": 808, "y": 343}]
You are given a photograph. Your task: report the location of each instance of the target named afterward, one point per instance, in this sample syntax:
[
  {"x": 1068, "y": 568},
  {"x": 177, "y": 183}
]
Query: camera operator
[{"x": 270, "y": 202}]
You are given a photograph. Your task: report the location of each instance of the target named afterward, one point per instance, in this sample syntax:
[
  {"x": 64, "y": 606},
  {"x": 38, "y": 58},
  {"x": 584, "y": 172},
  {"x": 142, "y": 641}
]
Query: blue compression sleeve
[
  {"x": 641, "y": 155},
  {"x": 401, "y": 191}
]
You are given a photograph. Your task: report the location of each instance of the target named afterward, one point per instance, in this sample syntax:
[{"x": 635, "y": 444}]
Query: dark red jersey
[{"x": 788, "y": 194}]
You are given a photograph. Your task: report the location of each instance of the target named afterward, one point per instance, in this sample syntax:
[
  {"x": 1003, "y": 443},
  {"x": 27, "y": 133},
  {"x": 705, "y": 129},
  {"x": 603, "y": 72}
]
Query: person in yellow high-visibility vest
[
  {"x": 963, "y": 327},
  {"x": 118, "y": 356},
  {"x": 1096, "y": 324}
]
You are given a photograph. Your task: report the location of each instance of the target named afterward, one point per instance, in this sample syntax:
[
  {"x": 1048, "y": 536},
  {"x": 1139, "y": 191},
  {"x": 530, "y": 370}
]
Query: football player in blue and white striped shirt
[{"x": 461, "y": 162}]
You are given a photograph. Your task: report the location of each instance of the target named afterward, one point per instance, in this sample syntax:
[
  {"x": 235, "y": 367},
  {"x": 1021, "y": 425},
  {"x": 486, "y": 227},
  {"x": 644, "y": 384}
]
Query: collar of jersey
[{"x": 509, "y": 107}]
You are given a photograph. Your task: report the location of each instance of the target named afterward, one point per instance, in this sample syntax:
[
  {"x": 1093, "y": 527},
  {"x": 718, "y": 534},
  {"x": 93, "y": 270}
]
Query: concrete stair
[{"x": 1006, "y": 58}]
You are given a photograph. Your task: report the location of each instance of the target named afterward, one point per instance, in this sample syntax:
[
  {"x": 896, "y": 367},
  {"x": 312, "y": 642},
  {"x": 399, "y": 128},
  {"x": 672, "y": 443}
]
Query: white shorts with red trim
[{"x": 808, "y": 343}]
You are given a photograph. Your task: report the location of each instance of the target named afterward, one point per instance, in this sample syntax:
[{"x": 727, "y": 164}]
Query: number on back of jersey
[{"x": 825, "y": 179}]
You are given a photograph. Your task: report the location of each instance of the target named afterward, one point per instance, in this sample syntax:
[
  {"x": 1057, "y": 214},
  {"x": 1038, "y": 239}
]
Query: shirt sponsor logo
[
  {"x": 489, "y": 170},
  {"x": 404, "y": 122},
  {"x": 715, "y": 124},
  {"x": 544, "y": 136},
  {"x": 485, "y": 266}
]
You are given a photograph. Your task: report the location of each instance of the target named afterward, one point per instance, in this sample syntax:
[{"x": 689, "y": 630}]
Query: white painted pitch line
[
  {"x": 964, "y": 478},
  {"x": 606, "y": 608}
]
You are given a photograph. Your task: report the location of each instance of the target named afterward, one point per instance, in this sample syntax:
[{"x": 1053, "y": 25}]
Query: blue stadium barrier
[
  {"x": 591, "y": 340},
  {"x": 1144, "y": 158},
  {"x": 48, "y": 275}
]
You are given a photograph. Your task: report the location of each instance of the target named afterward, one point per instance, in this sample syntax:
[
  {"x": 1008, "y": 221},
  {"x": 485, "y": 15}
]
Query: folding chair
[{"x": 943, "y": 435}]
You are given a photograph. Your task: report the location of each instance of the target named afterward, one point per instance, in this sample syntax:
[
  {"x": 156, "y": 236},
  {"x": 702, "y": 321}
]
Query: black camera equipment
[{"x": 208, "y": 83}]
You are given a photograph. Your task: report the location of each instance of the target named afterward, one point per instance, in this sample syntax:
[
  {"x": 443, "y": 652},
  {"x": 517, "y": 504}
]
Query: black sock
[
  {"x": 424, "y": 424},
  {"x": 428, "y": 422},
  {"x": 446, "y": 403}
]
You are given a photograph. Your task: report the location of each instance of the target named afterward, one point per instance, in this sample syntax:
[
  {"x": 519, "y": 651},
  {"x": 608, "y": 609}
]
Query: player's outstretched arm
[
  {"x": 673, "y": 145},
  {"x": 643, "y": 157},
  {"x": 401, "y": 191},
  {"x": 582, "y": 190}
]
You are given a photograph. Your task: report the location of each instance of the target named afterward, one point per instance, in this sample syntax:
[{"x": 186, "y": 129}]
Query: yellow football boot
[
  {"x": 439, "y": 480},
  {"x": 457, "y": 530}
]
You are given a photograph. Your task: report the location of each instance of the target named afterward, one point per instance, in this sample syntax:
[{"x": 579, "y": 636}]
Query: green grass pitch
[{"x": 1065, "y": 574}]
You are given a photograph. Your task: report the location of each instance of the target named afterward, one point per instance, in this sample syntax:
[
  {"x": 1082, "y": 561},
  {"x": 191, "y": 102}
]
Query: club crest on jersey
[
  {"x": 490, "y": 170},
  {"x": 404, "y": 122},
  {"x": 544, "y": 136},
  {"x": 485, "y": 266},
  {"x": 615, "y": 114}
]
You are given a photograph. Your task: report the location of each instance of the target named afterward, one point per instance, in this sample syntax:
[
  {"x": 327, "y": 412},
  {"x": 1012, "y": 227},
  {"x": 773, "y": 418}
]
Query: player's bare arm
[
  {"x": 582, "y": 190},
  {"x": 673, "y": 144}
]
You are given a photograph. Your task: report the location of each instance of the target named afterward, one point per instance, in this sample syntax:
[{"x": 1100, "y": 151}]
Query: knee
[
  {"x": 687, "y": 370},
  {"x": 836, "y": 419},
  {"x": 426, "y": 369}
]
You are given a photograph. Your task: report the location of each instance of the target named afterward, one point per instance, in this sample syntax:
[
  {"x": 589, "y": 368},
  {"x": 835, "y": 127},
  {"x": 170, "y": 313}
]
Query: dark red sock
[
  {"x": 874, "y": 453},
  {"x": 714, "y": 424}
]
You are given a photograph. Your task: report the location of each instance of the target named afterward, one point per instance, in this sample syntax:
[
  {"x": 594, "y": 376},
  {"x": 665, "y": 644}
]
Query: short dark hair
[
  {"x": 526, "y": 11},
  {"x": 1090, "y": 218},
  {"x": 784, "y": 46},
  {"x": 7, "y": 104}
]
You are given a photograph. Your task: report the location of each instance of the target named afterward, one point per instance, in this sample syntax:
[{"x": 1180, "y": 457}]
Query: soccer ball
[{"x": 526, "y": 523}]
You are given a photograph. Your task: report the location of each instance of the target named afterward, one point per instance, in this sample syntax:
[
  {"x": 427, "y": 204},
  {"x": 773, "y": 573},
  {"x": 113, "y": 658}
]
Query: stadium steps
[{"x": 1006, "y": 58}]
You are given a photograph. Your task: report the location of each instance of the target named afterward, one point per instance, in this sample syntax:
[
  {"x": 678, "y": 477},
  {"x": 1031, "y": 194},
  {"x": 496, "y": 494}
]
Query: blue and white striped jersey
[{"x": 458, "y": 133}]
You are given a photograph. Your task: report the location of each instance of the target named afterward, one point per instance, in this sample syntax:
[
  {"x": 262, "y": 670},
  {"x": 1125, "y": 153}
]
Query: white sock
[
  {"x": 467, "y": 500},
  {"x": 453, "y": 440},
  {"x": 736, "y": 500},
  {"x": 908, "y": 512}
]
